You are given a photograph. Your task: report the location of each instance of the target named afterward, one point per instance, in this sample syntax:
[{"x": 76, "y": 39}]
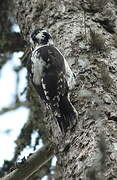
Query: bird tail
[{"x": 66, "y": 115}]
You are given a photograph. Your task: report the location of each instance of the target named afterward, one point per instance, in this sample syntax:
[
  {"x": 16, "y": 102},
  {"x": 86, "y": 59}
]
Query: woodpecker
[{"x": 52, "y": 78}]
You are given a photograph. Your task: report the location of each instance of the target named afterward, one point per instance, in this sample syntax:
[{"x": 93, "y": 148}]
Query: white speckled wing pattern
[
  {"x": 69, "y": 74},
  {"x": 53, "y": 78}
]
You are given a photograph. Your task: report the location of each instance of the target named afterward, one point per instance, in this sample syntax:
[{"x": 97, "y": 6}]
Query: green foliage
[{"x": 97, "y": 41}]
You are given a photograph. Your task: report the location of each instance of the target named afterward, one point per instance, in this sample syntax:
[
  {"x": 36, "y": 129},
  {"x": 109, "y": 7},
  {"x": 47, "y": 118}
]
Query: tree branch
[
  {"x": 13, "y": 107},
  {"x": 11, "y": 42},
  {"x": 33, "y": 163}
]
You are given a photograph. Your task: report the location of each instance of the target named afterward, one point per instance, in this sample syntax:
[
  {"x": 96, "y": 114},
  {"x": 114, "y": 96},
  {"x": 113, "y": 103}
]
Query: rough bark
[
  {"x": 84, "y": 34},
  {"x": 34, "y": 162}
]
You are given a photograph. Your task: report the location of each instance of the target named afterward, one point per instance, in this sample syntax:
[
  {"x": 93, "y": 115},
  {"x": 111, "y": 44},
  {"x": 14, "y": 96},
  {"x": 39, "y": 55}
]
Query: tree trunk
[{"x": 86, "y": 34}]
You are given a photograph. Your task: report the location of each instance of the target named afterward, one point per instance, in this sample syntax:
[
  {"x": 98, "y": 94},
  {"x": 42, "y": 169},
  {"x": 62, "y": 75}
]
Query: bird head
[{"x": 40, "y": 37}]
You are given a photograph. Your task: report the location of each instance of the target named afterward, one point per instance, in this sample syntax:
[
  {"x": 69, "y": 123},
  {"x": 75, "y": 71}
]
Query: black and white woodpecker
[{"x": 52, "y": 78}]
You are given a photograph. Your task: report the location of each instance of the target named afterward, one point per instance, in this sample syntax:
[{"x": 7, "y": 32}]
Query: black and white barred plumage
[{"x": 52, "y": 78}]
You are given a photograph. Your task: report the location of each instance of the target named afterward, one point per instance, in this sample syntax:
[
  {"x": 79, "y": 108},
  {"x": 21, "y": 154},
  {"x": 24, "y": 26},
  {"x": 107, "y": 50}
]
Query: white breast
[{"x": 37, "y": 67}]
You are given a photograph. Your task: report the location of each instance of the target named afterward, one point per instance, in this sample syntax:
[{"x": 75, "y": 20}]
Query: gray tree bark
[{"x": 86, "y": 33}]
